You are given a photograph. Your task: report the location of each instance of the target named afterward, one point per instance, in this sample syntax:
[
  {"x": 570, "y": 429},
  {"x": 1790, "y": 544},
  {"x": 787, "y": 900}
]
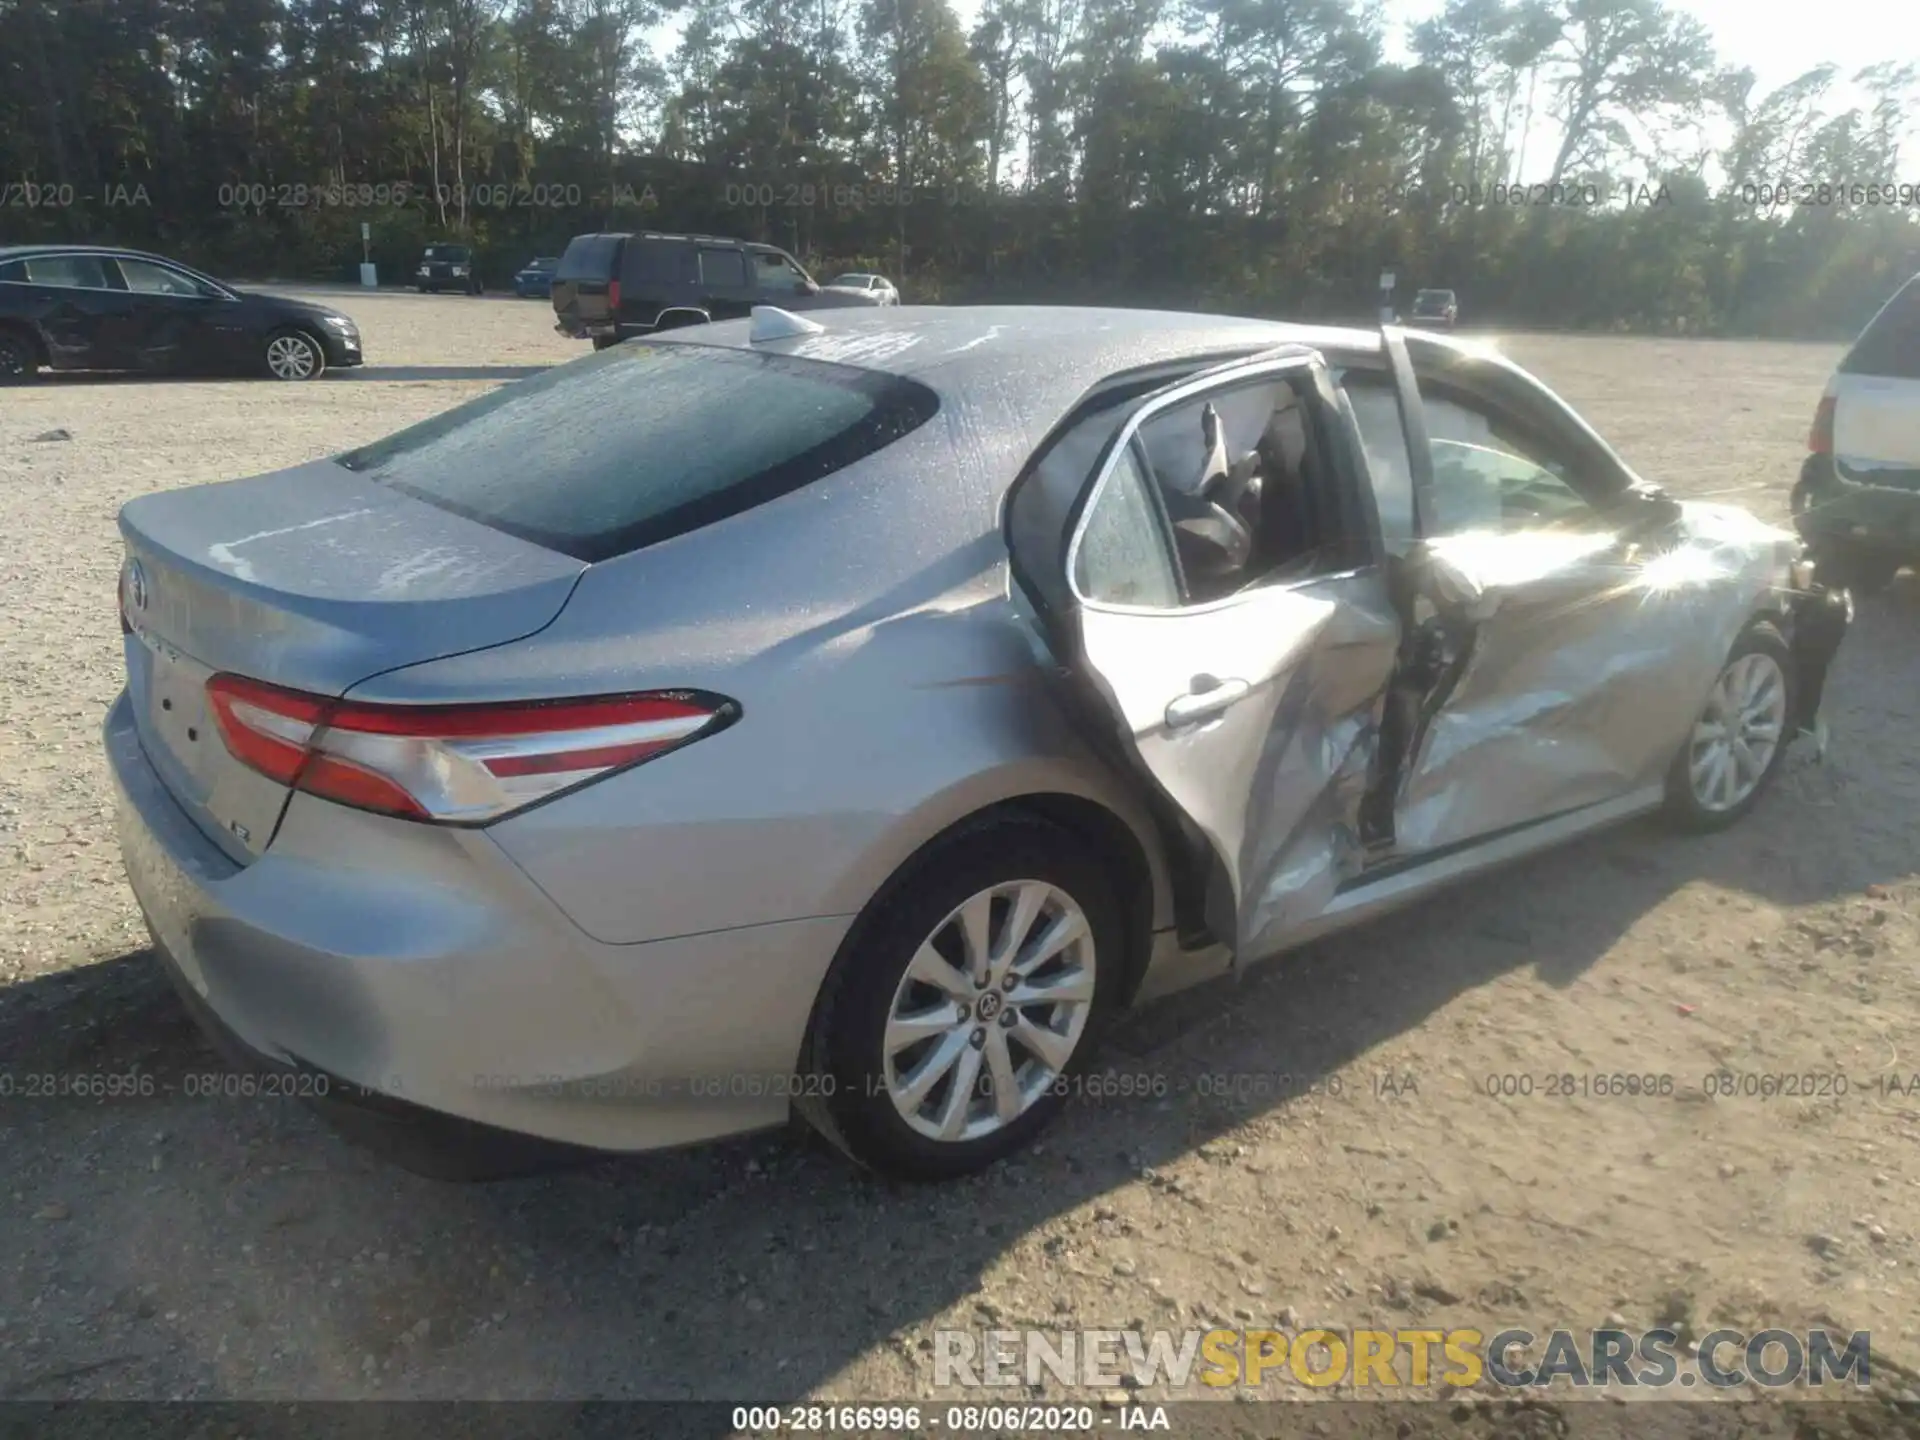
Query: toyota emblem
[{"x": 136, "y": 585}]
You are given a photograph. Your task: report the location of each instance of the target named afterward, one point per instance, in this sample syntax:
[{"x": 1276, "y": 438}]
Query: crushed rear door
[{"x": 1252, "y": 718}]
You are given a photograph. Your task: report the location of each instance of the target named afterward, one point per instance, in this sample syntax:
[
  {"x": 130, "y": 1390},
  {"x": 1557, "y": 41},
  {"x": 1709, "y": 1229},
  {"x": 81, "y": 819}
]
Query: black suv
[
  {"x": 446, "y": 267},
  {"x": 612, "y": 286}
]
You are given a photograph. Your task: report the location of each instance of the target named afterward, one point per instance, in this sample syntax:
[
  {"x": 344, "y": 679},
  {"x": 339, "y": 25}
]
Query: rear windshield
[
  {"x": 1890, "y": 345},
  {"x": 1433, "y": 297},
  {"x": 589, "y": 257},
  {"x": 446, "y": 252},
  {"x": 642, "y": 442}
]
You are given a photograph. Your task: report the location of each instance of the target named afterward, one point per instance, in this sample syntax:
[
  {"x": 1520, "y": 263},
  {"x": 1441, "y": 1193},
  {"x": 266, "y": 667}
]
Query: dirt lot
[{"x": 171, "y": 1246}]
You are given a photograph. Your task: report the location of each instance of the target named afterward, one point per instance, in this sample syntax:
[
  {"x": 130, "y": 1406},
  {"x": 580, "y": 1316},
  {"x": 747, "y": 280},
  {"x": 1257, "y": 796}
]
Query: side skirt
[
  {"x": 1172, "y": 970},
  {"x": 1409, "y": 881}
]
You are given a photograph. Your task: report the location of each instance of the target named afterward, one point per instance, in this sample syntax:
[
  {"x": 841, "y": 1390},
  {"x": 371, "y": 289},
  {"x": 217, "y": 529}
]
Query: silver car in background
[
  {"x": 875, "y": 287},
  {"x": 851, "y": 715}
]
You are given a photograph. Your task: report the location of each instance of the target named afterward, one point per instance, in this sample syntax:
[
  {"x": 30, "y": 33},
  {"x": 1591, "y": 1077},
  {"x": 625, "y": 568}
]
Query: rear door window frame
[{"x": 1348, "y": 479}]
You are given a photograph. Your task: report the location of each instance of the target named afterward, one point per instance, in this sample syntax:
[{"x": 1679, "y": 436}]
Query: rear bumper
[
  {"x": 423, "y": 974},
  {"x": 429, "y": 1142},
  {"x": 1864, "y": 515}
]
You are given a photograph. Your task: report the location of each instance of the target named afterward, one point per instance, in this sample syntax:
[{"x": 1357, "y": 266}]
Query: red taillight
[
  {"x": 450, "y": 763},
  {"x": 1820, "y": 437},
  {"x": 613, "y": 297}
]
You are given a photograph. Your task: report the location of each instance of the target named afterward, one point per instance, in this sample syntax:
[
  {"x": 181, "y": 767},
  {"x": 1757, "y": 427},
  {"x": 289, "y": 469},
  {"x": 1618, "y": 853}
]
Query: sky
[
  {"x": 1851, "y": 33},
  {"x": 1759, "y": 35}
]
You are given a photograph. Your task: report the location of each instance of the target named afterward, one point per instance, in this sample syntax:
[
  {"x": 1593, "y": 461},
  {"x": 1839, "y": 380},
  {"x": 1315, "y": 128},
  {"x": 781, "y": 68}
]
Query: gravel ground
[{"x": 172, "y": 1246}]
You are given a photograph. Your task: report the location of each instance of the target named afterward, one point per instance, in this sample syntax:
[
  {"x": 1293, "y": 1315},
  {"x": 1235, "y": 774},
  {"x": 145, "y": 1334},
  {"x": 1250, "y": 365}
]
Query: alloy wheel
[
  {"x": 990, "y": 1010},
  {"x": 292, "y": 357},
  {"x": 1735, "y": 739}
]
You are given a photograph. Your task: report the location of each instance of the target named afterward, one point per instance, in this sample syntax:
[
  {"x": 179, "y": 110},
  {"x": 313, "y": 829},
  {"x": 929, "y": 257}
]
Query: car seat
[{"x": 1213, "y": 538}]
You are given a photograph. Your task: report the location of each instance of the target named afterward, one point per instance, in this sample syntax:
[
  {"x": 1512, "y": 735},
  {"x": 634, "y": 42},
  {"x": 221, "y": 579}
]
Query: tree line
[{"x": 1252, "y": 156}]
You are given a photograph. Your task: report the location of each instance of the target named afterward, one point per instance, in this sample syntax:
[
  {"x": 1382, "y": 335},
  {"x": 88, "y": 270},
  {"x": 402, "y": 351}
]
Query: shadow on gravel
[
  {"x": 334, "y": 376},
  {"x": 763, "y": 1267},
  {"x": 438, "y": 372}
]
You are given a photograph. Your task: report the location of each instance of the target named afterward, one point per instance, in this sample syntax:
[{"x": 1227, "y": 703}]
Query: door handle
[{"x": 1203, "y": 703}]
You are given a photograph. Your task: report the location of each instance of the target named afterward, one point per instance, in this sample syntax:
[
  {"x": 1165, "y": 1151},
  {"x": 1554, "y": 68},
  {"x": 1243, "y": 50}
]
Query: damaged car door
[
  {"x": 1217, "y": 595},
  {"x": 1566, "y": 621}
]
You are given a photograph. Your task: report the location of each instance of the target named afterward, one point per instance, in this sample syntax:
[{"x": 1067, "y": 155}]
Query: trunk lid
[{"x": 314, "y": 578}]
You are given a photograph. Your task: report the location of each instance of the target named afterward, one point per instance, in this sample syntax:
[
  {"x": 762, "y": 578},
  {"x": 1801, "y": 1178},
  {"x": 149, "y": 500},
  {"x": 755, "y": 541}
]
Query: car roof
[
  {"x": 669, "y": 235},
  {"x": 18, "y": 252},
  {"x": 952, "y": 344},
  {"x": 1016, "y": 370}
]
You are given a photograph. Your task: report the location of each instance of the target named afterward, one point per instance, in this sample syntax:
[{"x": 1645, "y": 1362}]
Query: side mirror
[{"x": 1646, "y": 508}]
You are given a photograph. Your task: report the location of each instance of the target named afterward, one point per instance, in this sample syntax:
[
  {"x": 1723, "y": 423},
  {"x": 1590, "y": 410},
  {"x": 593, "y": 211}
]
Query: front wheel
[
  {"x": 1736, "y": 745},
  {"x": 294, "y": 355},
  {"x": 958, "y": 1020}
]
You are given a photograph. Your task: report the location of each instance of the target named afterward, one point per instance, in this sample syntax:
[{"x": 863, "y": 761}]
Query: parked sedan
[
  {"x": 90, "y": 307},
  {"x": 862, "y": 710},
  {"x": 876, "y": 286},
  {"x": 535, "y": 282}
]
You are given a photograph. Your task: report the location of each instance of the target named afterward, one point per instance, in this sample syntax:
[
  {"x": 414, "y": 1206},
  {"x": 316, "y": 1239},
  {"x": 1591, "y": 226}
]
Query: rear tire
[
  {"x": 19, "y": 357},
  {"x": 605, "y": 342},
  {"x": 1734, "y": 749},
  {"x": 992, "y": 1041}
]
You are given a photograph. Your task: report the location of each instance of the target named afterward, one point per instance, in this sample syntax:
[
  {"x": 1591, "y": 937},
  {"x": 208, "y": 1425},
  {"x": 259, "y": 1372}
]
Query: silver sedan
[
  {"x": 875, "y": 287},
  {"x": 851, "y": 714}
]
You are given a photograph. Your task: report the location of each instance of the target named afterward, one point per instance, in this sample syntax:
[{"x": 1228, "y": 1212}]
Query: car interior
[{"x": 1243, "y": 480}]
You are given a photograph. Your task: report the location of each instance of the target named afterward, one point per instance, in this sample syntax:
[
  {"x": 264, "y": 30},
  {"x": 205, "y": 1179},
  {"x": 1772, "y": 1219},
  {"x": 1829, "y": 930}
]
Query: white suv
[{"x": 1858, "y": 499}]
